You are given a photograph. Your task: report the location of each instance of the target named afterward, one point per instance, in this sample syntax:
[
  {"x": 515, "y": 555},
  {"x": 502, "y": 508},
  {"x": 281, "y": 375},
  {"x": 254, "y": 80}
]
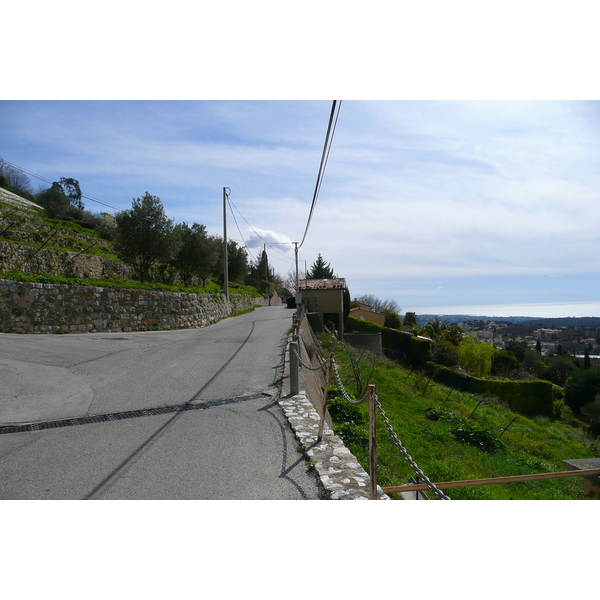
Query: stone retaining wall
[
  {"x": 53, "y": 308},
  {"x": 30, "y": 259}
]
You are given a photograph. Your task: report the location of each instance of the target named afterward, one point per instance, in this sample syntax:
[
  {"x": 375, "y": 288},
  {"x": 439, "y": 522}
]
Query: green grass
[
  {"x": 210, "y": 288},
  {"x": 452, "y": 437}
]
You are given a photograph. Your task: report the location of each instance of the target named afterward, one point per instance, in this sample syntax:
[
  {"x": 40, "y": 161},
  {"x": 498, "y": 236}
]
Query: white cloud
[{"x": 411, "y": 189}]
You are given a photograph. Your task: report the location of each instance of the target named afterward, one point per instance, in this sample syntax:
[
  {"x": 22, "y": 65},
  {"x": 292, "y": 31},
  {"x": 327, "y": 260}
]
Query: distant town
[{"x": 552, "y": 336}]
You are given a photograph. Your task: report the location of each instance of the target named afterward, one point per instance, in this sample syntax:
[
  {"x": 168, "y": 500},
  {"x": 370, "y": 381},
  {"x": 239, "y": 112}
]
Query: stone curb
[{"x": 339, "y": 472}]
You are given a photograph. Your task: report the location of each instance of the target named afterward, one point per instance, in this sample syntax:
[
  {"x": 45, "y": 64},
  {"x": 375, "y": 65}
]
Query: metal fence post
[
  {"x": 294, "y": 388},
  {"x": 372, "y": 443}
]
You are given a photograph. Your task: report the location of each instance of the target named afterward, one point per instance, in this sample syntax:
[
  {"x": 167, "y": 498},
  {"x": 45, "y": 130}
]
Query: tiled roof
[{"x": 322, "y": 284}]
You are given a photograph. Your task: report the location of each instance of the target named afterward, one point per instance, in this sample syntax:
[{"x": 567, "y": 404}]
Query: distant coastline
[{"x": 517, "y": 320}]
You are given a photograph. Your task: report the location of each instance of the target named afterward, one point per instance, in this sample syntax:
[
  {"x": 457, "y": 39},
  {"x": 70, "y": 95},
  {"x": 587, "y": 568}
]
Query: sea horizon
[{"x": 548, "y": 310}]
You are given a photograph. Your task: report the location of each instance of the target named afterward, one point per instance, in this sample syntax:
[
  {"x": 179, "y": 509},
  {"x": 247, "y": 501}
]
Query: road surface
[{"x": 202, "y": 417}]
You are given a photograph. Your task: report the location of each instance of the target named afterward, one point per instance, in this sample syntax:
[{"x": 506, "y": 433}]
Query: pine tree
[{"x": 320, "y": 269}]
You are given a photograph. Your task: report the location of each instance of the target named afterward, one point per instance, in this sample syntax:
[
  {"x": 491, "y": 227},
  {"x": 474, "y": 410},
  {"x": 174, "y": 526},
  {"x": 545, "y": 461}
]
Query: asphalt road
[{"x": 224, "y": 438}]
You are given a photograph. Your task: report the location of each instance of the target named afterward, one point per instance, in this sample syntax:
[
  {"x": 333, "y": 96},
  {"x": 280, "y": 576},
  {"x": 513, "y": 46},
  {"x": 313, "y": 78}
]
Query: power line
[
  {"x": 270, "y": 244},
  {"x": 51, "y": 182},
  {"x": 238, "y": 228},
  {"x": 324, "y": 159}
]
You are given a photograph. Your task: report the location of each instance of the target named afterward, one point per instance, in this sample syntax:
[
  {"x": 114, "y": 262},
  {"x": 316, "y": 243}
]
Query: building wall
[
  {"x": 329, "y": 301},
  {"x": 368, "y": 315}
]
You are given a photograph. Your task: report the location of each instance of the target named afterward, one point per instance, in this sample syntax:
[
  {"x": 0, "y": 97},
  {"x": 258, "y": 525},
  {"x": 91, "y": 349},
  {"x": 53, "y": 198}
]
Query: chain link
[
  {"x": 348, "y": 398},
  {"x": 407, "y": 456},
  {"x": 340, "y": 387},
  {"x": 305, "y": 366}
]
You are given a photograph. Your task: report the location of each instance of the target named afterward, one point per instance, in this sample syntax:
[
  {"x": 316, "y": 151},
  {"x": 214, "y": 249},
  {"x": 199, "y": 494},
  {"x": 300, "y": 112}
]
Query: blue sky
[
  {"x": 436, "y": 204},
  {"x": 463, "y": 175}
]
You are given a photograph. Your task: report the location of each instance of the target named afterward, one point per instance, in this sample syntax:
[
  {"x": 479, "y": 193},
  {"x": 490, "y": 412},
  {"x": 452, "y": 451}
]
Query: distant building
[
  {"x": 547, "y": 335},
  {"x": 325, "y": 299},
  {"x": 364, "y": 313}
]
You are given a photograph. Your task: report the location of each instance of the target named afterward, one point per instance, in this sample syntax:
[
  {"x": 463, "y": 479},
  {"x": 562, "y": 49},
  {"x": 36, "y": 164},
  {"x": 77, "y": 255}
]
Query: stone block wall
[
  {"x": 71, "y": 264},
  {"x": 53, "y": 308}
]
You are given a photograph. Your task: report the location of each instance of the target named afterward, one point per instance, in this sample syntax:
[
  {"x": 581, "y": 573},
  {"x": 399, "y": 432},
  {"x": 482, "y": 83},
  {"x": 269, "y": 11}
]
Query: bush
[
  {"x": 471, "y": 434},
  {"x": 445, "y": 354},
  {"x": 419, "y": 351},
  {"x": 581, "y": 388},
  {"x": 354, "y": 324},
  {"x": 342, "y": 411}
]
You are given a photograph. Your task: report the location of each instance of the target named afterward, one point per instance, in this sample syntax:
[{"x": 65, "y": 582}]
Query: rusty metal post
[
  {"x": 325, "y": 398},
  {"x": 372, "y": 443}
]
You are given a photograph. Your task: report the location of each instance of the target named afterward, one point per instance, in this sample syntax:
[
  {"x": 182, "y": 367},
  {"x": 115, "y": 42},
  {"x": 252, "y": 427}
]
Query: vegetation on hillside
[
  {"x": 162, "y": 254},
  {"x": 453, "y": 435}
]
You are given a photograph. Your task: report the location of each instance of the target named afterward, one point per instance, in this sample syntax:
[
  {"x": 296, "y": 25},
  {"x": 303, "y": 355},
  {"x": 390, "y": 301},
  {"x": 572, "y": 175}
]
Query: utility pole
[
  {"x": 266, "y": 272},
  {"x": 298, "y": 295},
  {"x": 226, "y": 192}
]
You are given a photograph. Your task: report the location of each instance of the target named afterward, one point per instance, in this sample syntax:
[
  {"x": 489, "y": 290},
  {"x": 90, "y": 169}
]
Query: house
[
  {"x": 326, "y": 300},
  {"x": 364, "y": 313}
]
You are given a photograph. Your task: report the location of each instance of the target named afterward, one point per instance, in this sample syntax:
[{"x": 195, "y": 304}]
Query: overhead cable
[
  {"x": 238, "y": 228},
  {"x": 270, "y": 244},
  {"x": 324, "y": 158}
]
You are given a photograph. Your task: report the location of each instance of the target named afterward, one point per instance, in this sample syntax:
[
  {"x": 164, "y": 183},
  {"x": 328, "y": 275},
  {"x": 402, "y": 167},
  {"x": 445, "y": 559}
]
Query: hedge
[
  {"x": 527, "y": 397},
  {"x": 354, "y": 324}
]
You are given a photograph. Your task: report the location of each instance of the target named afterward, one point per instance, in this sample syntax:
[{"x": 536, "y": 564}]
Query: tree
[
  {"x": 435, "y": 329},
  {"x": 290, "y": 281},
  {"x": 379, "y": 305},
  {"x": 410, "y": 320},
  {"x": 144, "y": 235},
  {"x": 320, "y": 269},
  {"x": 504, "y": 363},
  {"x": 70, "y": 188},
  {"x": 54, "y": 202},
  {"x": 476, "y": 357},
  {"x": 581, "y": 388},
  {"x": 15, "y": 180},
  {"x": 259, "y": 275},
  {"x": 392, "y": 319},
  {"x": 195, "y": 252},
  {"x": 237, "y": 259},
  {"x": 558, "y": 369}
]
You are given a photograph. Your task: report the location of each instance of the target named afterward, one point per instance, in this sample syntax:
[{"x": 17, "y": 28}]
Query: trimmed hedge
[
  {"x": 354, "y": 324},
  {"x": 527, "y": 397}
]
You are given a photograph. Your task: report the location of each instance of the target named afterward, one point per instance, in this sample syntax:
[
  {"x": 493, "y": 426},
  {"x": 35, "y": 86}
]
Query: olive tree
[{"x": 144, "y": 235}]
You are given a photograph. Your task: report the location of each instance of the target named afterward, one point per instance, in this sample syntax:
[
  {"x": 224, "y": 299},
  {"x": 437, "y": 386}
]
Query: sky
[
  {"x": 443, "y": 206},
  {"x": 463, "y": 173}
]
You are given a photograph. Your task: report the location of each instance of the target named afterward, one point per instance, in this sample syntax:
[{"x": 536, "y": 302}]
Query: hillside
[
  {"x": 453, "y": 435},
  {"x": 32, "y": 243},
  {"x": 517, "y": 320}
]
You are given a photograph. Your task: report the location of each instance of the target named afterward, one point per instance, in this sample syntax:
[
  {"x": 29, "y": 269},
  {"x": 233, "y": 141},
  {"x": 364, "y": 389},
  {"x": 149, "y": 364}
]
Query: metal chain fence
[
  {"x": 396, "y": 440},
  {"x": 406, "y": 455}
]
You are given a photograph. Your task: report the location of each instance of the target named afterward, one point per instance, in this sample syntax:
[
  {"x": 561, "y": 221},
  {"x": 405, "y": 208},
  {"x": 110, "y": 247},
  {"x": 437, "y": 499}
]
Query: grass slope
[{"x": 452, "y": 435}]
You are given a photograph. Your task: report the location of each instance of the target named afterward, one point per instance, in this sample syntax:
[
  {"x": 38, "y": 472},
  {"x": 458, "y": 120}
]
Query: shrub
[
  {"x": 354, "y": 324},
  {"x": 476, "y": 436},
  {"x": 581, "y": 388},
  {"x": 419, "y": 351},
  {"x": 342, "y": 411},
  {"x": 445, "y": 354}
]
